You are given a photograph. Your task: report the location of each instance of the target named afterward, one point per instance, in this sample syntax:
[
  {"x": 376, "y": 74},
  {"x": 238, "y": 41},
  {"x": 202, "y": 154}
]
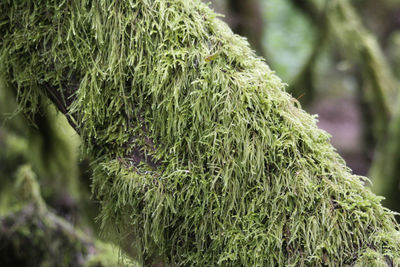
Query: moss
[
  {"x": 28, "y": 189},
  {"x": 199, "y": 154},
  {"x": 30, "y": 238},
  {"x": 31, "y": 235}
]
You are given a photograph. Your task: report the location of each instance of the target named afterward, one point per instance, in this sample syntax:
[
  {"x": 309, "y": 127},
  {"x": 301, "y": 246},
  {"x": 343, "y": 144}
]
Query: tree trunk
[
  {"x": 385, "y": 171},
  {"x": 199, "y": 156},
  {"x": 245, "y": 18},
  {"x": 344, "y": 25}
]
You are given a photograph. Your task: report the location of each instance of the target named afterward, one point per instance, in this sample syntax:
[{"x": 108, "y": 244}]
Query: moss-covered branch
[
  {"x": 380, "y": 94},
  {"x": 29, "y": 238},
  {"x": 349, "y": 29},
  {"x": 35, "y": 236},
  {"x": 243, "y": 175}
]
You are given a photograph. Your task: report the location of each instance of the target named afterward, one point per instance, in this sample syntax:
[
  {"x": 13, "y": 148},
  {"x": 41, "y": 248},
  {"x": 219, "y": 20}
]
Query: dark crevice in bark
[
  {"x": 57, "y": 98},
  {"x": 63, "y": 99}
]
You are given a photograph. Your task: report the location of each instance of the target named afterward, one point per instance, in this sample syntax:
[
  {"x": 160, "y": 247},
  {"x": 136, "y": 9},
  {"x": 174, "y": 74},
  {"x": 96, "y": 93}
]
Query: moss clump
[
  {"x": 28, "y": 190},
  {"x": 33, "y": 235},
  {"x": 199, "y": 154},
  {"x": 29, "y": 238}
]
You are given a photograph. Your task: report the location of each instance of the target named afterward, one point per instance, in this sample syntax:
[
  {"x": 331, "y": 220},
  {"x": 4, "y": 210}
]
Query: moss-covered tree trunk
[
  {"x": 200, "y": 158},
  {"x": 377, "y": 94}
]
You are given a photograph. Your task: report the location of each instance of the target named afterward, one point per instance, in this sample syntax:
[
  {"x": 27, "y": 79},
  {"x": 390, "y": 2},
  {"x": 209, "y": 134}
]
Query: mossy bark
[
  {"x": 199, "y": 155},
  {"x": 33, "y": 238},
  {"x": 29, "y": 238},
  {"x": 32, "y": 235}
]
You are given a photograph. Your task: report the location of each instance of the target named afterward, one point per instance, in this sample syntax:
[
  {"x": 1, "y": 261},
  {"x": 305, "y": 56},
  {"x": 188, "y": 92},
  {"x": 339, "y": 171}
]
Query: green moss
[
  {"x": 28, "y": 190},
  {"x": 198, "y": 152},
  {"x": 32, "y": 238},
  {"x": 108, "y": 255}
]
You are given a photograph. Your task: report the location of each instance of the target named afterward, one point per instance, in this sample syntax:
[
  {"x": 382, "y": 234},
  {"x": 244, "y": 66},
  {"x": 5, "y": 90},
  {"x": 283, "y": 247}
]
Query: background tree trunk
[{"x": 245, "y": 18}]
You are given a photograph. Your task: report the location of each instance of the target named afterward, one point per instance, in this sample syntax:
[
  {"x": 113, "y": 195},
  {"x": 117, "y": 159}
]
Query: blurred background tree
[{"x": 340, "y": 58}]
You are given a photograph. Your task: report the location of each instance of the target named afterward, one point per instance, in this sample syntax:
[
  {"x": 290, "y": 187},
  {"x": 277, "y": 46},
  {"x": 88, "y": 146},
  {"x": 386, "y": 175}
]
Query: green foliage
[{"x": 198, "y": 152}]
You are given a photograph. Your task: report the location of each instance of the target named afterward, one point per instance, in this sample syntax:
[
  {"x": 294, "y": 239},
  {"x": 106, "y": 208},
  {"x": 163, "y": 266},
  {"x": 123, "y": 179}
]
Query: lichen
[{"x": 231, "y": 170}]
